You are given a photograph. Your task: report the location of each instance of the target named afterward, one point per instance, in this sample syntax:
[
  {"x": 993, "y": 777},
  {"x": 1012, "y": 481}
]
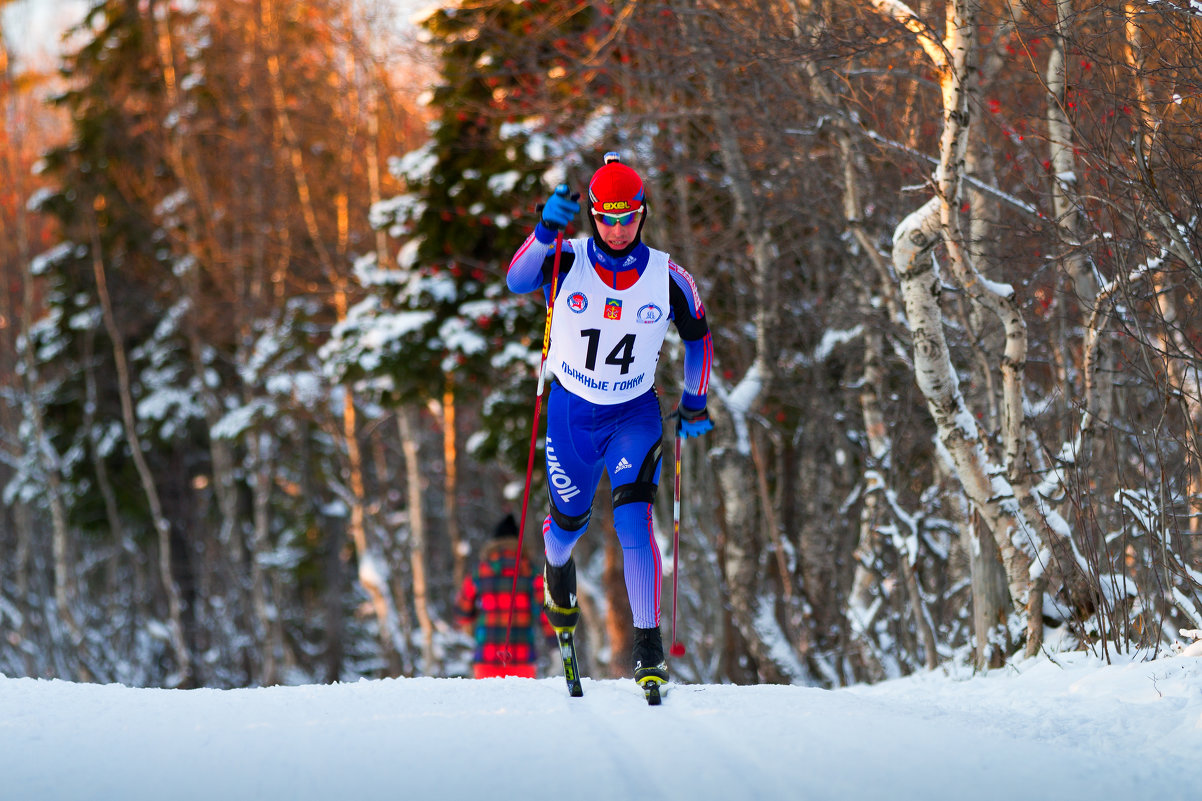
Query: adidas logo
[{"x": 623, "y": 465}]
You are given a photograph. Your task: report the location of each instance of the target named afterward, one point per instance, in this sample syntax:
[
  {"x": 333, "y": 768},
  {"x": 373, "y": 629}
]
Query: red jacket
[{"x": 484, "y": 603}]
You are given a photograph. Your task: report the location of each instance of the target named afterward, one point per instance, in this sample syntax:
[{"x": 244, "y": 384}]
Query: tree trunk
[
  {"x": 45, "y": 456},
  {"x": 990, "y": 599},
  {"x": 266, "y": 614},
  {"x": 1000, "y": 503},
  {"x": 750, "y": 603},
  {"x": 406, "y": 418},
  {"x": 16, "y": 309},
  {"x": 937, "y": 379},
  {"x": 450, "y": 455},
  {"x": 335, "y": 578},
  {"x": 372, "y": 572},
  {"x": 753, "y": 612},
  {"x": 162, "y": 526},
  {"x": 1178, "y": 364}
]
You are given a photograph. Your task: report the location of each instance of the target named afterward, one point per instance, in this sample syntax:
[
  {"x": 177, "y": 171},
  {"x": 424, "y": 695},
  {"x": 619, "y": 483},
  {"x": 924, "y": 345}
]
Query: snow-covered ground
[{"x": 1074, "y": 728}]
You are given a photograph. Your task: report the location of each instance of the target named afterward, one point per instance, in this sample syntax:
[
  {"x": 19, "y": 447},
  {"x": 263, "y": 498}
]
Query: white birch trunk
[
  {"x": 861, "y": 599},
  {"x": 983, "y": 482},
  {"x": 1024, "y": 526},
  {"x": 1064, "y": 167}
]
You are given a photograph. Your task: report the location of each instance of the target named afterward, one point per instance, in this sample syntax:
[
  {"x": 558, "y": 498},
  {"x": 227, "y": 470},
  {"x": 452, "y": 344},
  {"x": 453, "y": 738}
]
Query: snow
[
  {"x": 739, "y": 401},
  {"x": 415, "y": 166},
  {"x": 1063, "y": 729},
  {"x": 388, "y": 327},
  {"x": 307, "y": 388},
  {"x": 832, "y": 339},
  {"x": 406, "y": 257},
  {"x": 997, "y": 288},
  {"x": 459, "y": 337},
  {"x": 503, "y": 184},
  {"x": 236, "y": 421},
  {"x": 41, "y": 263}
]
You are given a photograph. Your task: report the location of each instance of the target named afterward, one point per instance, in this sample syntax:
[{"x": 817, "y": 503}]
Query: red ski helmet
[{"x": 616, "y": 191}]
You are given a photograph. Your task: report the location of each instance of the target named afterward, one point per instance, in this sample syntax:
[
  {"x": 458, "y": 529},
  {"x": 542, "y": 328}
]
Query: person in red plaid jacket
[{"x": 483, "y": 608}]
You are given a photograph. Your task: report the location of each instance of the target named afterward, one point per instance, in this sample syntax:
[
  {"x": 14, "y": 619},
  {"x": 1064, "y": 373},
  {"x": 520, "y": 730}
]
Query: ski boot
[
  {"x": 559, "y": 605},
  {"x": 559, "y": 596},
  {"x": 650, "y": 669}
]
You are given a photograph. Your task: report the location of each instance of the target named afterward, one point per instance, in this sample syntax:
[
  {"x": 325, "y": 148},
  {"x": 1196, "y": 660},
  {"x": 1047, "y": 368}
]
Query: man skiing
[{"x": 613, "y": 301}]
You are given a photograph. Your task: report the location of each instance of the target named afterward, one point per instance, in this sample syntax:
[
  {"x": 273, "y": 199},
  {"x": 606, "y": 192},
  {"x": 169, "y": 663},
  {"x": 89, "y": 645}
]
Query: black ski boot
[
  {"x": 648, "y": 657},
  {"x": 559, "y": 596}
]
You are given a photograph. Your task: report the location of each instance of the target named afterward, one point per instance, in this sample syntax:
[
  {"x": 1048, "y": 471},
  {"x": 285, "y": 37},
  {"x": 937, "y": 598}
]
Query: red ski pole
[
  {"x": 538, "y": 406},
  {"x": 677, "y": 646}
]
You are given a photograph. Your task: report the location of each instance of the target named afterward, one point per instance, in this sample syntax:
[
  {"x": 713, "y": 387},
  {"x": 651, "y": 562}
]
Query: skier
[
  {"x": 483, "y": 607},
  {"x": 614, "y": 299}
]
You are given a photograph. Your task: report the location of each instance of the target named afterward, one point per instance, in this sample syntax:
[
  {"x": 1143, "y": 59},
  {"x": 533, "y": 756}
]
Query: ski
[{"x": 571, "y": 671}]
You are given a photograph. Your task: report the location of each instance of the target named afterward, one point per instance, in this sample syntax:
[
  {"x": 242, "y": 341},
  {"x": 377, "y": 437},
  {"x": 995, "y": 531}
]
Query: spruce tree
[
  {"x": 176, "y": 180},
  {"x": 104, "y": 174},
  {"x": 443, "y": 316}
]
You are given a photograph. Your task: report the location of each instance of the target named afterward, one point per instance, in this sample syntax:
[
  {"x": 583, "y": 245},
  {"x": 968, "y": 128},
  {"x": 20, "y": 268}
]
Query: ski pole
[
  {"x": 538, "y": 405},
  {"x": 677, "y": 646}
]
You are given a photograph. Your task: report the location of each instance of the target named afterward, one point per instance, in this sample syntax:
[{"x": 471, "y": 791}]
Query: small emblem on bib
[{"x": 650, "y": 313}]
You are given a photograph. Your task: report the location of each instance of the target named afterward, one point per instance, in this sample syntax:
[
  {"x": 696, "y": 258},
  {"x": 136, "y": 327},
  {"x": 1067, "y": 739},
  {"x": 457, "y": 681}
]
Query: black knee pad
[
  {"x": 570, "y": 522},
  {"x": 636, "y": 492},
  {"x": 642, "y": 489}
]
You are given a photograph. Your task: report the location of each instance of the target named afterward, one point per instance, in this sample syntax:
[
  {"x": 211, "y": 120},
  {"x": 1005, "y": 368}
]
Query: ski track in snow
[{"x": 1075, "y": 730}]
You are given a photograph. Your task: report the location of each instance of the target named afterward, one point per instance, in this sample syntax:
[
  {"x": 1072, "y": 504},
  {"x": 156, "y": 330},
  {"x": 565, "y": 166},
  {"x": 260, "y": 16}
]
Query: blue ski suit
[{"x": 617, "y": 427}]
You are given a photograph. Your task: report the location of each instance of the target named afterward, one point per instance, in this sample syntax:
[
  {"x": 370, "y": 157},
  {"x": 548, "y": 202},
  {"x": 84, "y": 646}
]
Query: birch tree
[{"x": 1008, "y": 508}]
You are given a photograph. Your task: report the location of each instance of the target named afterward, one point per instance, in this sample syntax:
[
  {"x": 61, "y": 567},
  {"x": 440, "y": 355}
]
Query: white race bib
[{"x": 605, "y": 342}]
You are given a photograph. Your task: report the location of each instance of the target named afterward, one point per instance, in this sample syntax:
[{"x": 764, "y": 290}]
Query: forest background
[{"x": 263, "y": 392}]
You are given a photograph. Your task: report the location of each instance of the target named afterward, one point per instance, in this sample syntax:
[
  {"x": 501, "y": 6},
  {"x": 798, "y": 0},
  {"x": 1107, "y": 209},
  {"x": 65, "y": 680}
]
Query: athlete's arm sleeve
[
  {"x": 688, "y": 314},
  {"x": 532, "y": 264}
]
